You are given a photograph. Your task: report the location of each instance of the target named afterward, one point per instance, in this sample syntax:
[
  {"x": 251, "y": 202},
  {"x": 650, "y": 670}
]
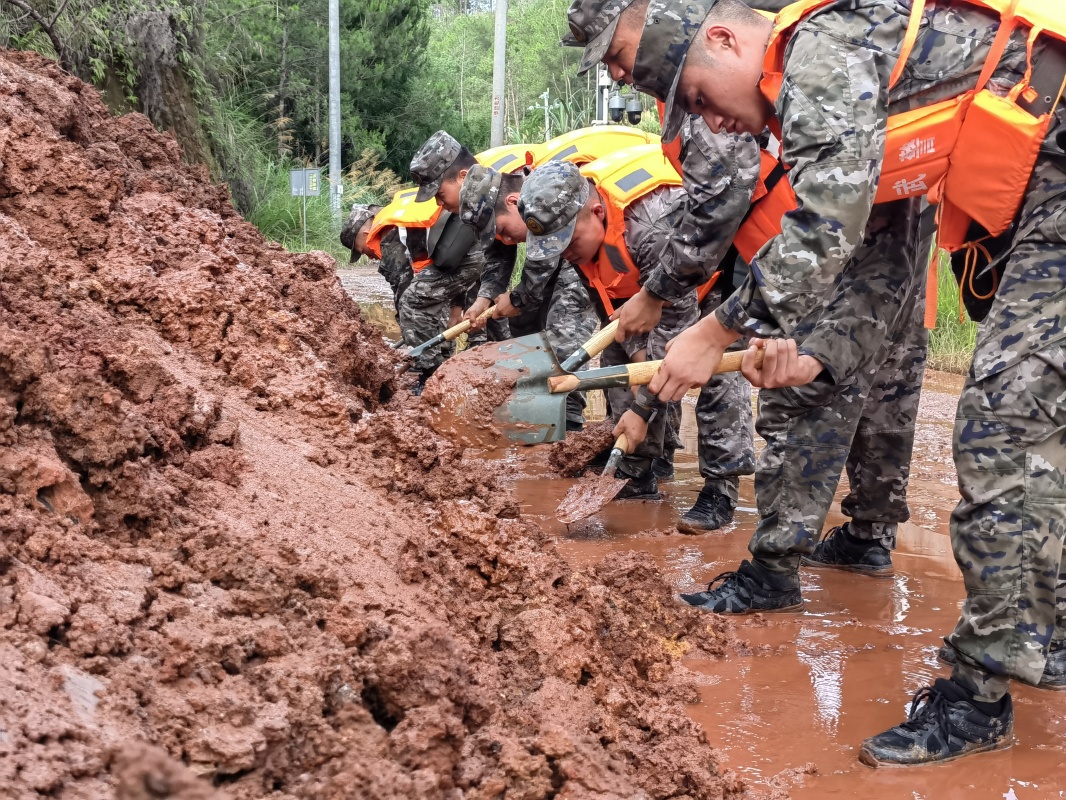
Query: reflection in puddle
[{"x": 812, "y": 686}]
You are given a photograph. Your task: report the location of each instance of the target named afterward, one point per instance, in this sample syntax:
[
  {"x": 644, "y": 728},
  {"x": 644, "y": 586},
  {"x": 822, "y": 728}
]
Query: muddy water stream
[{"x": 789, "y": 713}]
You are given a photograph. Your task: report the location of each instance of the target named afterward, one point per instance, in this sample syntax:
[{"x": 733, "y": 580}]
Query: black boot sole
[
  {"x": 796, "y": 608},
  {"x": 890, "y": 572},
  {"x": 870, "y": 760}
]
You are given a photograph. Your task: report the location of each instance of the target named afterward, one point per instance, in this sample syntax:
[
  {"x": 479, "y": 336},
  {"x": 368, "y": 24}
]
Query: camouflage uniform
[
  {"x": 719, "y": 173},
  {"x": 1010, "y": 434},
  {"x": 551, "y": 199},
  {"x": 395, "y": 262},
  {"x": 395, "y": 265},
  {"x": 1009, "y": 529},
  {"x": 565, "y": 314},
  {"x": 425, "y": 305}
]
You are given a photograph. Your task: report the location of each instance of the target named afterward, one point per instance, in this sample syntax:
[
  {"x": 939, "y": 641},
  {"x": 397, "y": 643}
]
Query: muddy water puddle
[
  {"x": 810, "y": 687},
  {"x": 788, "y": 713}
]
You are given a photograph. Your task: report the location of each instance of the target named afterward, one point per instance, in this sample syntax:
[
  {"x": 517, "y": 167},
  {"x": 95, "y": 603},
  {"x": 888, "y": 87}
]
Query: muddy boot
[
  {"x": 711, "y": 511},
  {"x": 948, "y": 724},
  {"x": 752, "y": 588},
  {"x": 838, "y": 549},
  {"x": 646, "y": 487},
  {"x": 1053, "y": 677}
]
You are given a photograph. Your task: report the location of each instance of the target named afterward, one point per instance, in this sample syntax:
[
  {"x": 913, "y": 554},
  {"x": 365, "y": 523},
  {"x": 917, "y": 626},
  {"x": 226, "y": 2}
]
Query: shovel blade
[{"x": 532, "y": 414}]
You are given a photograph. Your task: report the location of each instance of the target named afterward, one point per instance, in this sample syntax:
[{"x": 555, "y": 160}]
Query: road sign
[{"x": 305, "y": 182}]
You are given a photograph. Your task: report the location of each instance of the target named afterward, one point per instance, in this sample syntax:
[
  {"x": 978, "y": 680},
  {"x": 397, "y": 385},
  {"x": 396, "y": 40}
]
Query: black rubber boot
[
  {"x": 711, "y": 511},
  {"x": 1054, "y": 676},
  {"x": 749, "y": 590},
  {"x": 646, "y": 487},
  {"x": 945, "y": 722},
  {"x": 838, "y": 549}
]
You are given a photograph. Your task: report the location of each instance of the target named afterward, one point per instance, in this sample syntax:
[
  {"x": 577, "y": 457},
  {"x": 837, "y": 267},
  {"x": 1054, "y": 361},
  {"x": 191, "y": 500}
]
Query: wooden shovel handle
[
  {"x": 641, "y": 372},
  {"x": 458, "y": 330},
  {"x": 599, "y": 341},
  {"x": 637, "y": 374}
]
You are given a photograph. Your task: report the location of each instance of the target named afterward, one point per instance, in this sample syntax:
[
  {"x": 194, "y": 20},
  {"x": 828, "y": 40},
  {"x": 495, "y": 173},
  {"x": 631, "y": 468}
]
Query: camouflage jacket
[
  {"x": 395, "y": 260},
  {"x": 833, "y": 108},
  {"x": 499, "y": 265},
  {"x": 719, "y": 175}
]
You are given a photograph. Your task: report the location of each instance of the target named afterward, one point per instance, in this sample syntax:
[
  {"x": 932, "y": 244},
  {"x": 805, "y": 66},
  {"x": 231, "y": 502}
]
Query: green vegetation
[{"x": 951, "y": 342}]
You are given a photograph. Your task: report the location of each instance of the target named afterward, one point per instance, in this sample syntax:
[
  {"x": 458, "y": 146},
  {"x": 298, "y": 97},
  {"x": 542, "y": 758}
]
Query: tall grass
[
  {"x": 951, "y": 343},
  {"x": 278, "y": 215}
]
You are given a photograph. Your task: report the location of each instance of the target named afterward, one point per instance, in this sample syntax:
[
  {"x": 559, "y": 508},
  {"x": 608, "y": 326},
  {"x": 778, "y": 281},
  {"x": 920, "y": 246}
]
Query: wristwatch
[
  {"x": 516, "y": 299},
  {"x": 646, "y": 413}
]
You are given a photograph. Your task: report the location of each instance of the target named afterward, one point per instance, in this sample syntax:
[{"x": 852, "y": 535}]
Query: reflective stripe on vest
[{"x": 622, "y": 178}]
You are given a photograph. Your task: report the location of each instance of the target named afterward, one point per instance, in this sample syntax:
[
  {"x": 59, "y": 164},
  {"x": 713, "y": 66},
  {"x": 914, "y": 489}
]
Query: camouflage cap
[
  {"x": 357, "y": 218},
  {"x": 669, "y": 29},
  {"x": 477, "y": 201},
  {"x": 550, "y": 199},
  {"x": 431, "y": 162},
  {"x": 592, "y": 26}
]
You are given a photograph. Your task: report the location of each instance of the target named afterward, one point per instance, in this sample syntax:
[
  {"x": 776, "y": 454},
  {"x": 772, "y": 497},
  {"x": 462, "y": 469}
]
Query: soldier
[
  {"x": 488, "y": 201},
  {"x": 846, "y": 67},
  {"x": 615, "y": 239},
  {"x": 719, "y": 174},
  {"x": 364, "y": 237},
  {"x": 438, "y": 168}
]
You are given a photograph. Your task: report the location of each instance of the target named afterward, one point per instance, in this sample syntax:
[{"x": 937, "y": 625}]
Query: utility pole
[
  {"x": 499, "y": 69},
  {"x": 335, "y": 185},
  {"x": 547, "y": 124}
]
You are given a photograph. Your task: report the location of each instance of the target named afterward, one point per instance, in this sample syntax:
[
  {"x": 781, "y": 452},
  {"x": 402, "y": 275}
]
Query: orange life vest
[
  {"x": 403, "y": 212},
  {"x": 980, "y": 169},
  {"x": 623, "y": 177},
  {"x": 772, "y": 198},
  {"x": 972, "y": 154}
]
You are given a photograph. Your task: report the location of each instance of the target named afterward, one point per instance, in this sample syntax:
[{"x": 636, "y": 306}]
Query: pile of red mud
[{"x": 233, "y": 564}]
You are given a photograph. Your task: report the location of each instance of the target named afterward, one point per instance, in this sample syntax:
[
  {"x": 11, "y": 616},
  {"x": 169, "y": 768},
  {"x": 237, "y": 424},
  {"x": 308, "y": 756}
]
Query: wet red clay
[{"x": 789, "y": 711}]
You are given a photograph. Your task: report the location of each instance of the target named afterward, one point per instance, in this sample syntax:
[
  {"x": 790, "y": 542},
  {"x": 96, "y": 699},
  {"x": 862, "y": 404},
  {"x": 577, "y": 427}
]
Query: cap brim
[
  {"x": 427, "y": 191},
  {"x": 551, "y": 245},
  {"x": 597, "y": 48},
  {"x": 674, "y": 115},
  {"x": 356, "y": 255}
]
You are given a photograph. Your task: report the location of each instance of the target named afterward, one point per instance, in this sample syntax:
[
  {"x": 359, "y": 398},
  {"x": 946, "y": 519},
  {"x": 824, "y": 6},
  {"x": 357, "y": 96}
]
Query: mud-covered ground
[{"x": 234, "y": 561}]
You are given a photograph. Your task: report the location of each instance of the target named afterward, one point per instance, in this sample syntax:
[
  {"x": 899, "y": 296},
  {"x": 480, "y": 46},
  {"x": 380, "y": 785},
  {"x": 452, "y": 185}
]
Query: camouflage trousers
[
  {"x": 676, "y": 318},
  {"x": 1009, "y": 529},
  {"x": 866, "y": 425},
  {"x": 424, "y": 307},
  {"x": 724, "y": 425}
]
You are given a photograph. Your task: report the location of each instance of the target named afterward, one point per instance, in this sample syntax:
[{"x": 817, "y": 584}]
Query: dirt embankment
[{"x": 233, "y": 559}]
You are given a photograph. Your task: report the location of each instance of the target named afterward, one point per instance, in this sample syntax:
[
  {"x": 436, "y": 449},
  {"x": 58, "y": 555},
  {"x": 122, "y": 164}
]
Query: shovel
[
  {"x": 453, "y": 332},
  {"x": 590, "y": 494},
  {"x": 535, "y": 411}
]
